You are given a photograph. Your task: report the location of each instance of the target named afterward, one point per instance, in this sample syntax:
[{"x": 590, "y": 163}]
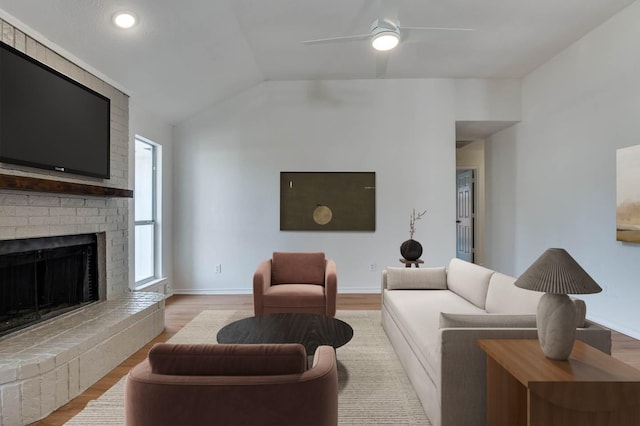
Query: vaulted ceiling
[{"x": 185, "y": 55}]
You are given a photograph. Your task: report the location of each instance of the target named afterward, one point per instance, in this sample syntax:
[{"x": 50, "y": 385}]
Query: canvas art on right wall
[{"x": 628, "y": 194}]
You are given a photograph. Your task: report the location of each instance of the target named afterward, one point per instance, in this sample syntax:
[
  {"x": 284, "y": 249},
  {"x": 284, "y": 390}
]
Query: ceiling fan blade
[
  {"x": 411, "y": 34},
  {"x": 358, "y": 37},
  {"x": 382, "y": 60}
]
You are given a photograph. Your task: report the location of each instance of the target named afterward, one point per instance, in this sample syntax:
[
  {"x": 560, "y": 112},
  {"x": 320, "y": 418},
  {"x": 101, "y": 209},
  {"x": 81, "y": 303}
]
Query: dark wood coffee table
[{"x": 308, "y": 329}]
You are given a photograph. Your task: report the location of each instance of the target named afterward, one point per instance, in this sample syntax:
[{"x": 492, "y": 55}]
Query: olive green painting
[{"x": 327, "y": 201}]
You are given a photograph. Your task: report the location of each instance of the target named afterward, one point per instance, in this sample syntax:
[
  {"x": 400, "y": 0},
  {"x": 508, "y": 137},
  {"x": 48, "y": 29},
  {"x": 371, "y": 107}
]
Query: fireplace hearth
[{"x": 41, "y": 278}]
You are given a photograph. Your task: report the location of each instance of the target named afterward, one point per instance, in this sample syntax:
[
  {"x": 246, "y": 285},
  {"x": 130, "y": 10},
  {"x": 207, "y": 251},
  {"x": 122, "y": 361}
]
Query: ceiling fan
[{"x": 386, "y": 33}]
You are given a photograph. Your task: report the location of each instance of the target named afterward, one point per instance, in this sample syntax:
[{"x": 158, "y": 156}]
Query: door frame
[
  {"x": 464, "y": 161},
  {"x": 478, "y": 206}
]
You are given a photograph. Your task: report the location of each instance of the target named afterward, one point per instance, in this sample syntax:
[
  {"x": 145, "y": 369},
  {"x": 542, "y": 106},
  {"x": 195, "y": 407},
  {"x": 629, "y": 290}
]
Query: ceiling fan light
[{"x": 385, "y": 40}]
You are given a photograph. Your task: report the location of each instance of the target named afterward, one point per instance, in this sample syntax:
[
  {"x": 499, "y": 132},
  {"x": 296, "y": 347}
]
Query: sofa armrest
[
  {"x": 383, "y": 278},
  {"x": 330, "y": 286},
  {"x": 261, "y": 282},
  {"x": 310, "y": 398},
  {"x": 463, "y": 374}
]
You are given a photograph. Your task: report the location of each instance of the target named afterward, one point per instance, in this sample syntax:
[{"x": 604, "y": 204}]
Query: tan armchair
[
  {"x": 295, "y": 283},
  {"x": 216, "y": 384}
]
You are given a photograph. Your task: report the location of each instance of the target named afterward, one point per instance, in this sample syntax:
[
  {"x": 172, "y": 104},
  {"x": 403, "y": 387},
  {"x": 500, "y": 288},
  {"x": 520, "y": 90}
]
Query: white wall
[
  {"x": 486, "y": 99},
  {"x": 552, "y": 177},
  {"x": 149, "y": 126},
  {"x": 227, "y": 162}
]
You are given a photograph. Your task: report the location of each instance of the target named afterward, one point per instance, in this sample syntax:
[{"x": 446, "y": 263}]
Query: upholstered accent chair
[
  {"x": 295, "y": 283},
  {"x": 236, "y": 384}
]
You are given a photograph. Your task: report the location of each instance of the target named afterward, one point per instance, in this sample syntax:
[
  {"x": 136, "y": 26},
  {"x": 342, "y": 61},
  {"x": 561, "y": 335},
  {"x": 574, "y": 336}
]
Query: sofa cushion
[
  {"x": 227, "y": 360},
  {"x": 449, "y": 320},
  {"x": 416, "y": 278},
  {"x": 503, "y": 297},
  {"x": 469, "y": 280},
  {"x": 417, "y": 314},
  {"x": 297, "y": 268},
  {"x": 294, "y": 295}
]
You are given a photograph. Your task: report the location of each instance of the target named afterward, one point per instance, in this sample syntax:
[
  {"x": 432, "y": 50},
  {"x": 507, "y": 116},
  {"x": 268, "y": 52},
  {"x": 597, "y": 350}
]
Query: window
[{"x": 146, "y": 196}]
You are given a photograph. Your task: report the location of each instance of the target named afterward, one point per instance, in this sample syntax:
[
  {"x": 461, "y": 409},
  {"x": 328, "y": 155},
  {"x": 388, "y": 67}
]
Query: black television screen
[{"x": 49, "y": 121}]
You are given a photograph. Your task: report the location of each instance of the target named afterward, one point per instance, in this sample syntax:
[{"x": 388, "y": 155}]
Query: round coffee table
[{"x": 308, "y": 329}]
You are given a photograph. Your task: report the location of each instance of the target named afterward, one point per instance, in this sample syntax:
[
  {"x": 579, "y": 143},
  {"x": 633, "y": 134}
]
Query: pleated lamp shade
[{"x": 557, "y": 272}]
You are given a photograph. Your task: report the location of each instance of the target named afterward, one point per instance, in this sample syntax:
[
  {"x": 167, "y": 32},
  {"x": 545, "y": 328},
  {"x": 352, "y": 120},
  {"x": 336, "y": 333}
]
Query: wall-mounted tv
[{"x": 50, "y": 121}]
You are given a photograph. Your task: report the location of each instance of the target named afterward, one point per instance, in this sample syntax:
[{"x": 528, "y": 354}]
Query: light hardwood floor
[{"x": 181, "y": 309}]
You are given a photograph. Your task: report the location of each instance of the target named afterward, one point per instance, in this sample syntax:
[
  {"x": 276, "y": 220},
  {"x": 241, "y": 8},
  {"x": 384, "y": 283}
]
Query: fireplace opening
[{"x": 41, "y": 278}]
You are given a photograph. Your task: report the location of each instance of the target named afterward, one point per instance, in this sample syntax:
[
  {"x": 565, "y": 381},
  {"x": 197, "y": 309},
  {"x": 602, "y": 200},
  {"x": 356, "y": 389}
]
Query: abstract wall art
[{"x": 327, "y": 201}]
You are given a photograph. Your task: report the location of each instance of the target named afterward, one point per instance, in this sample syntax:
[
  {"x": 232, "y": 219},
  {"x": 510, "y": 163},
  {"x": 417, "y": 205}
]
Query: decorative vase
[{"x": 411, "y": 249}]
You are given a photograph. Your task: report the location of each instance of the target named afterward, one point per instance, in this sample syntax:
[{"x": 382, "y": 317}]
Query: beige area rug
[{"x": 374, "y": 389}]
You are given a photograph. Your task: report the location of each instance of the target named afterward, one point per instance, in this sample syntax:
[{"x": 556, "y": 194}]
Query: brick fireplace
[
  {"x": 44, "y": 365},
  {"x": 33, "y": 215}
]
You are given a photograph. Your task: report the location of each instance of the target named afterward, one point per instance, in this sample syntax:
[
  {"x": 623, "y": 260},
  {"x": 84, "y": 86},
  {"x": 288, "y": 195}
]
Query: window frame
[{"x": 154, "y": 221}]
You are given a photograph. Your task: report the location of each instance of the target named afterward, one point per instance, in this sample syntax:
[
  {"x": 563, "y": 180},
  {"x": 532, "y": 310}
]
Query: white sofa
[{"x": 434, "y": 317}]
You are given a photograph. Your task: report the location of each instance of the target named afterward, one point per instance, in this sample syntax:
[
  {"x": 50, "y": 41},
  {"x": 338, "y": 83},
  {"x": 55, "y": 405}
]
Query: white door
[{"x": 464, "y": 215}]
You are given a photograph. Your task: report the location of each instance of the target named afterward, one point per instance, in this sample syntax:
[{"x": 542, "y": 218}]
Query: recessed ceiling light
[{"x": 125, "y": 19}]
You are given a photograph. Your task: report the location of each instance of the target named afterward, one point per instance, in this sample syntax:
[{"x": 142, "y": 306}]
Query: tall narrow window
[{"x": 146, "y": 220}]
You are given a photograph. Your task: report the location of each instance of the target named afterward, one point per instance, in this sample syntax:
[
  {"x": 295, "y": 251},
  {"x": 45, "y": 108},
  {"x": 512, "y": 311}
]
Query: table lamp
[{"x": 557, "y": 274}]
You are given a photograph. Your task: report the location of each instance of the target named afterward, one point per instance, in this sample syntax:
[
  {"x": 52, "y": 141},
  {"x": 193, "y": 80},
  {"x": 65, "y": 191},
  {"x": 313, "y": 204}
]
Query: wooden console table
[{"x": 526, "y": 388}]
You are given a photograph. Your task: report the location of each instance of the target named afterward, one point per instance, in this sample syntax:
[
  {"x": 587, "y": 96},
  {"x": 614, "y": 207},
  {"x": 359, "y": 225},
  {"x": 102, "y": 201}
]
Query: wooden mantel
[{"x": 25, "y": 183}]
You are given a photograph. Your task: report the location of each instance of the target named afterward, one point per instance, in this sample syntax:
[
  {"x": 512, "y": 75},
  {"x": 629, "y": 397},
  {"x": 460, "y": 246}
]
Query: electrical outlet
[
  {"x": 373, "y": 266},
  {"x": 218, "y": 268}
]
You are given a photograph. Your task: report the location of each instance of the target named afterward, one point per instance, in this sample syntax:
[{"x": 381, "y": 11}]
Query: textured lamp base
[{"x": 556, "y": 320}]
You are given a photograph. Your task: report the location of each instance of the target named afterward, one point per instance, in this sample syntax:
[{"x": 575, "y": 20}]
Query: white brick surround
[
  {"x": 45, "y": 366},
  {"x": 27, "y": 215}
]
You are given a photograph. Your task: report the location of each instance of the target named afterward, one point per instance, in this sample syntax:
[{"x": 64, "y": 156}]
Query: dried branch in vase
[{"x": 412, "y": 222}]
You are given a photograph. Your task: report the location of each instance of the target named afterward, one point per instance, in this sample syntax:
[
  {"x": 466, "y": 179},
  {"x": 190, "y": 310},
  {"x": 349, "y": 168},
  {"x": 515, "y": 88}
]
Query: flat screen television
[{"x": 49, "y": 121}]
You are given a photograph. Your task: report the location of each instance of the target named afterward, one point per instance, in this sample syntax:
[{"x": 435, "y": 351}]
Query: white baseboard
[
  {"x": 232, "y": 291},
  {"x": 221, "y": 291}
]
